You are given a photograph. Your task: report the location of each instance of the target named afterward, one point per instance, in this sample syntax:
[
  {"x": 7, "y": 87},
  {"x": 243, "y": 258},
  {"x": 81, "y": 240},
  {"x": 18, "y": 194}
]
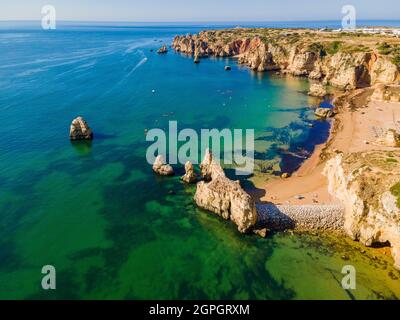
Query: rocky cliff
[
  {"x": 386, "y": 93},
  {"x": 366, "y": 185},
  {"x": 300, "y": 55},
  {"x": 224, "y": 197}
]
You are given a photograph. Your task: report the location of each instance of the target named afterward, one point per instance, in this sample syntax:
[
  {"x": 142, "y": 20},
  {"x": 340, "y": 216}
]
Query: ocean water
[{"x": 97, "y": 213}]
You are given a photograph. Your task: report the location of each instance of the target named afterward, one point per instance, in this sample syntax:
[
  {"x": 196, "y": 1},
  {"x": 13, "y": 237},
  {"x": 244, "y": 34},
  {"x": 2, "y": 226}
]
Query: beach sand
[{"x": 352, "y": 131}]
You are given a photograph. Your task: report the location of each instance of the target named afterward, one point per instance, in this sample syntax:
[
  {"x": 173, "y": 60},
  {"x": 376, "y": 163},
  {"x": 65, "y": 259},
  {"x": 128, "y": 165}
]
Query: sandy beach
[{"x": 353, "y": 130}]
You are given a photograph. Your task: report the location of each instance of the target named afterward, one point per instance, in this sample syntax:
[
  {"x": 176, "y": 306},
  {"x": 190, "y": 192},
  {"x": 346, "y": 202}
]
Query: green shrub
[
  {"x": 395, "y": 190},
  {"x": 396, "y": 50},
  {"x": 396, "y": 60},
  {"x": 384, "y": 48},
  {"x": 293, "y": 39},
  {"x": 355, "y": 49},
  {"x": 333, "y": 47},
  {"x": 317, "y": 48}
]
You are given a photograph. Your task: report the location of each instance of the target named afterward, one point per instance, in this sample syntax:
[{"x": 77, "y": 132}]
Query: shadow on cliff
[
  {"x": 269, "y": 215},
  {"x": 256, "y": 193}
]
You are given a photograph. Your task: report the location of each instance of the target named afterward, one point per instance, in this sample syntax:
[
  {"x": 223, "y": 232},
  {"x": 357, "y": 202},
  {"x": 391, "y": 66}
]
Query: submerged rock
[
  {"x": 163, "y": 49},
  {"x": 80, "y": 130},
  {"x": 324, "y": 113},
  {"x": 161, "y": 168},
  {"x": 190, "y": 176},
  {"x": 224, "y": 197},
  {"x": 263, "y": 233}
]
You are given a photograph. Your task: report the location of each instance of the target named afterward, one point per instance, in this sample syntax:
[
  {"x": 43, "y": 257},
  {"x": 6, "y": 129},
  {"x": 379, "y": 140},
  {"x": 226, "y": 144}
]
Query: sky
[{"x": 200, "y": 11}]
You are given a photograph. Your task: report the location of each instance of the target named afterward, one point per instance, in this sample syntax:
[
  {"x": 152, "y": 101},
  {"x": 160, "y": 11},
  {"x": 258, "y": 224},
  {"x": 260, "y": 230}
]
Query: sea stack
[
  {"x": 80, "y": 130},
  {"x": 161, "y": 168},
  {"x": 190, "y": 176},
  {"x": 225, "y": 197},
  {"x": 196, "y": 56},
  {"x": 163, "y": 49}
]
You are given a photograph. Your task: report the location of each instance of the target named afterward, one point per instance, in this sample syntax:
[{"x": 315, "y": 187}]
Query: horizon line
[{"x": 197, "y": 21}]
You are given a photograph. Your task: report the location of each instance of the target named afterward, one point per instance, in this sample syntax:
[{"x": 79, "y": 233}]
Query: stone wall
[{"x": 301, "y": 217}]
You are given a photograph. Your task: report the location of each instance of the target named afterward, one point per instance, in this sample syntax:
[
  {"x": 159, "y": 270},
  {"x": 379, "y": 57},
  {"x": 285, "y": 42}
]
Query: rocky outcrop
[
  {"x": 255, "y": 55},
  {"x": 383, "y": 70},
  {"x": 209, "y": 169},
  {"x": 390, "y": 139},
  {"x": 163, "y": 49},
  {"x": 386, "y": 93},
  {"x": 196, "y": 55},
  {"x": 161, "y": 168},
  {"x": 324, "y": 113},
  {"x": 343, "y": 69},
  {"x": 362, "y": 181},
  {"x": 80, "y": 130},
  {"x": 347, "y": 70},
  {"x": 317, "y": 90},
  {"x": 190, "y": 175},
  {"x": 225, "y": 197},
  {"x": 301, "y": 62}
]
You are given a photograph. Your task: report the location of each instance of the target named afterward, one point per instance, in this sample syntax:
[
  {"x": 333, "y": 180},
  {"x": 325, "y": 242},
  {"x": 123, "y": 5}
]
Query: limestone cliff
[
  {"x": 386, "y": 93},
  {"x": 347, "y": 69},
  {"x": 356, "y": 63},
  {"x": 224, "y": 197},
  {"x": 317, "y": 90},
  {"x": 363, "y": 182}
]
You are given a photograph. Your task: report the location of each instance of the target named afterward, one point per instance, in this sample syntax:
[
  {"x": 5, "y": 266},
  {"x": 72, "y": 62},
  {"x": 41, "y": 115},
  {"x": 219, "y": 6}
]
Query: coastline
[
  {"x": 351, "y": 131},
  {"x": 325, "y": 57},
  {"x": 307, "y": 181},
  {"x": 355, "y": 170}
]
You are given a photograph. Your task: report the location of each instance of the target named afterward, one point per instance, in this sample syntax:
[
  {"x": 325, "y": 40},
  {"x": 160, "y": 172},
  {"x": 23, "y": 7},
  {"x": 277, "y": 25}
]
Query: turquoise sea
[{"x": 98, "y": 214}]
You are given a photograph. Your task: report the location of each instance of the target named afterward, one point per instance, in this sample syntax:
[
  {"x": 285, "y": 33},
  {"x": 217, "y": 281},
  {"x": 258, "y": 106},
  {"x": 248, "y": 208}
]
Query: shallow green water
[{"x": 96, "y": 211}]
